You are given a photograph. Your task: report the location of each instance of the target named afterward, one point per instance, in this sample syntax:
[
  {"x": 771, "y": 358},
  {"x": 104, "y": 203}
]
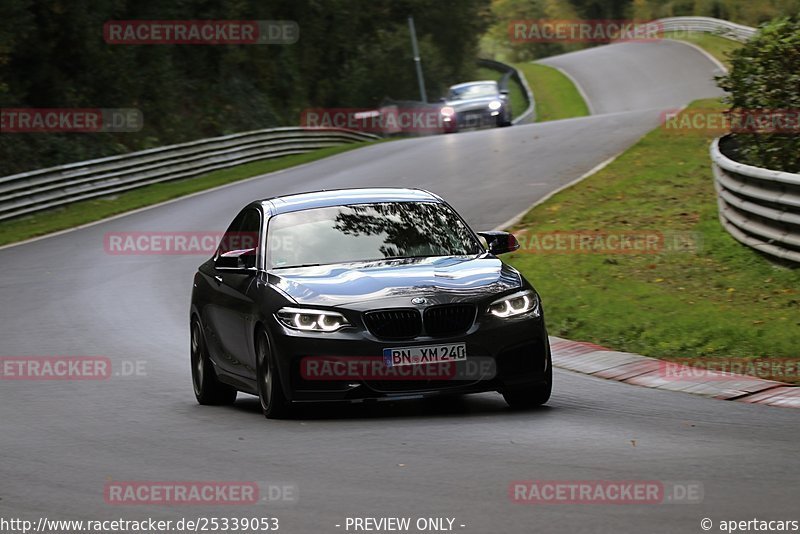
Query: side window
[
  {"x": 250, "y": 231},
  {"x": 243, "y": 233}
]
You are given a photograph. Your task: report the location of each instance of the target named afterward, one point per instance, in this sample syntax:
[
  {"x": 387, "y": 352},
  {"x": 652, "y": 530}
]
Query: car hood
[
  {"x": 472, "y": 103},
  {"x": 393, "y": 283}
]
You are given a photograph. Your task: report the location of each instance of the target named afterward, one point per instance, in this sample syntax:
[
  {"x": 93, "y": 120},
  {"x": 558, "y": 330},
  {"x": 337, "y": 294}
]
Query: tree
[{"x": 351, "y": 53}]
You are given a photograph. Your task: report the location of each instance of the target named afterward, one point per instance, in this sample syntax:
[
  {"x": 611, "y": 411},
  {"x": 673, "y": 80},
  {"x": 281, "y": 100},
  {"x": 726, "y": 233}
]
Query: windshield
[
  {"x": 364, "y": 232},
  {"x": 477, "y": 90}
]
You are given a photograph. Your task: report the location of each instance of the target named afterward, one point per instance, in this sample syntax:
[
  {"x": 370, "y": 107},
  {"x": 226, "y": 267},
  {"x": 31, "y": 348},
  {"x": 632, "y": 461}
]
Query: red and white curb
[{"x": 635, "y": 369}]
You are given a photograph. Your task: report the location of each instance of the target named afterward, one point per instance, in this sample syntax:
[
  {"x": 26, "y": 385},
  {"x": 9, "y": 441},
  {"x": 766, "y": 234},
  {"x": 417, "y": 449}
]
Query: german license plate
[{"x": 421, "y": 355}]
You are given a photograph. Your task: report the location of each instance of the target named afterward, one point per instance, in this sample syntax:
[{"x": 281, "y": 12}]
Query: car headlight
[
  {"x": 495, "y": 105},
  {"x": 516, "y": 304},
  {"x": 448, "y": 111},
  {"x": 311, "y": 320}
]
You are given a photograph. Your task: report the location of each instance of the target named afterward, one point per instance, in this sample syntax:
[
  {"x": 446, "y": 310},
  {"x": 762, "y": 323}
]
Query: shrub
[{"x": 765, "y": 76}]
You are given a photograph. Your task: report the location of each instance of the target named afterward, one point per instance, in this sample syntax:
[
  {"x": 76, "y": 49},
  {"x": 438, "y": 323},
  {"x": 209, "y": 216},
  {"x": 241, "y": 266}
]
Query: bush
[{"x": 765, "y": 75}]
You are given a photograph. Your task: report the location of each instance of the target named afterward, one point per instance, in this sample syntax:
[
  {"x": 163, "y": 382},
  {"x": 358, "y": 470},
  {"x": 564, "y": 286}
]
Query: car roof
[
  {"x": 342, "y": 197},
  {"x": 477, "y": 82}
]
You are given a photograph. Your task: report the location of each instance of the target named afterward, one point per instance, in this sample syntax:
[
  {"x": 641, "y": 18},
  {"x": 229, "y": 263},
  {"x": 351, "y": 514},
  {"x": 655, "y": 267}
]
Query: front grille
[
  {"x": 475, "y": 118},
  {"x": 394, "y": 324},
  {"x": 402, "y": 323},
  {"x": 449, "y": 320}
]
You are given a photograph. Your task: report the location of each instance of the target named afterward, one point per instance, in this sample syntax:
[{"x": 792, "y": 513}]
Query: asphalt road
[
  {"x": 633, "y": 76},
  {"x": 61, "y": 442}
]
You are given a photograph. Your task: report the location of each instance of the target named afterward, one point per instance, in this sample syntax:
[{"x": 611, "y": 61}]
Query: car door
[{"x": 231, "y": 309}]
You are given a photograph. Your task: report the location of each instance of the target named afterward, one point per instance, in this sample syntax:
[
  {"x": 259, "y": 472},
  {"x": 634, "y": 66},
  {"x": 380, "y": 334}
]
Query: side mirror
[
  {"x": 237, "y": 259},
  {"x": 500, "y": 242},
  {"x": 504, "y": 92}
]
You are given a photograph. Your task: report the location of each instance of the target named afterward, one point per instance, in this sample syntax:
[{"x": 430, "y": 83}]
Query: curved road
[{"x": 60, "y": 442}]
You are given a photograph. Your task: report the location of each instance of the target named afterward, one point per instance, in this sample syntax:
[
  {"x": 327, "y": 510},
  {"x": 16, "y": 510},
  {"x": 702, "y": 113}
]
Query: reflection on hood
[{"x": 450, "y": 277}]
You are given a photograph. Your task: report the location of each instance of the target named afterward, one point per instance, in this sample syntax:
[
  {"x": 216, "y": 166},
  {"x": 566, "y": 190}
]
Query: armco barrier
[
  {"x": 29, "y": 192},
  {"x": 758, "y": 207},
  {"x": 723, "y": 28}
]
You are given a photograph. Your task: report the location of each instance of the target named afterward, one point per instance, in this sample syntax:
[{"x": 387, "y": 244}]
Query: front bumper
[
  {"x": 479, "y": 118},
  {"x": 501, "y": 353}
]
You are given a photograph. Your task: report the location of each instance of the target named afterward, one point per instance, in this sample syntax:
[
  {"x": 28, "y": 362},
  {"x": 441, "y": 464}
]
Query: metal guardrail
[
  {"x": 29, "y": 192},
  {"x": 758, "y": 207},
  {"x": 723, "y": 28},
  {"x": 529, "y": 115}
]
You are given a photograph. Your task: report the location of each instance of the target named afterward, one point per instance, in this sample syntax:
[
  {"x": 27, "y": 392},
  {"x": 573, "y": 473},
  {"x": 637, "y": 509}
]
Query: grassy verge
[
  {"x": 516, "y": 94},
  {"x": 721, "y": 300},
  {"x": 555, "y": 94},
  {"x": 717, "y": 46},
  {"x": 93, "y": 210}
]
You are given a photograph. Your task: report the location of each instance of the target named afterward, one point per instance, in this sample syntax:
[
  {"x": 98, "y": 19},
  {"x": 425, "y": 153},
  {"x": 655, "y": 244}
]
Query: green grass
[
  {"x": 724, "y": 300},
  {"x": 93, "y": 210},
  {"x": 717, "y": 46},
  {"x": 555, "y": 94},
  {"x": 516, "y": 94}
]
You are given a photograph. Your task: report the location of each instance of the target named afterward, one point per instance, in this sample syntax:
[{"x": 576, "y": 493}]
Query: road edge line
[
  {"x": 577, "y": 85},
  {"x": 721, "y": 66},
  {"x": 594, "y": 170}
]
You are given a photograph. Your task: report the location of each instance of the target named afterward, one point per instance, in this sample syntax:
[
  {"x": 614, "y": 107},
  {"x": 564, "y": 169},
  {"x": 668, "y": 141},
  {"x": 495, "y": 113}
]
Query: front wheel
[
  {"x": 207, "y": 388},
  {"x": 270, "y": 392},
  {"x": 504, "y": 121}
]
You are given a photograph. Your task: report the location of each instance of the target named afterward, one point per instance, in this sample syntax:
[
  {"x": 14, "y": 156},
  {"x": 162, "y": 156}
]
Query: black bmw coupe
[{"x": 363, "y": 294}]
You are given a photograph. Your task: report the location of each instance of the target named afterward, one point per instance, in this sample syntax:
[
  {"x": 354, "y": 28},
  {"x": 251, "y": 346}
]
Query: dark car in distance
[
  {"x": 363, "y": 294},
  {"x": 475, "y": 105}
]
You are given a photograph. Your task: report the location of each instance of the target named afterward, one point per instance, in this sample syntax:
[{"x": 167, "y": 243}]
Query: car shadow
[{"x": 445, "y": 406}]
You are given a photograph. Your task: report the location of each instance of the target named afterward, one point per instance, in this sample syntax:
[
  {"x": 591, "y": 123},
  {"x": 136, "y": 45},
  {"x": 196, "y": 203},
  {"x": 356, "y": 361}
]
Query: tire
[
  {"x": 274, "y": 404},
  {"x": 532, "y": 395},
  {"x": 505, "y": 119},
  {"x": 208, "y": 390}
]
